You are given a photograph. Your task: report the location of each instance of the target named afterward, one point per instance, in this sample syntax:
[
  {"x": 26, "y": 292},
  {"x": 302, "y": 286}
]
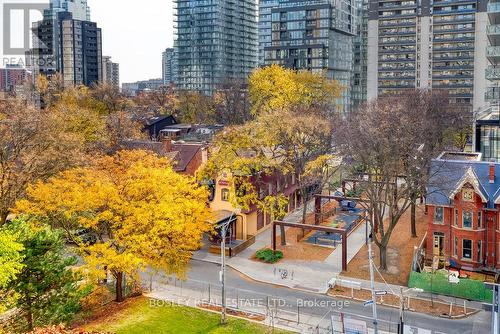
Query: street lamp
[{"x": 401, "y": 306}]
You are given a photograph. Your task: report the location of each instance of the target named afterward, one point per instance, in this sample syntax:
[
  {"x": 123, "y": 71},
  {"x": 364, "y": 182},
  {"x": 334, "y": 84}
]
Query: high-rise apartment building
[
  {"x": 265, "y": 27},
  {"x": 215, "y": 41},
  {"x": 315, "y": 35},
  {"x": 12, "y": 76},
  {"x": 110, "y": 72},
  {"x": 493, "y": 53},
  {"x": 169, "y": 66},
  {"x": 67, "y": 46},
  {"x": 78, "y": 8},
  {"x": 360, "y": 68},
  {"x": 439, "y": 44}
]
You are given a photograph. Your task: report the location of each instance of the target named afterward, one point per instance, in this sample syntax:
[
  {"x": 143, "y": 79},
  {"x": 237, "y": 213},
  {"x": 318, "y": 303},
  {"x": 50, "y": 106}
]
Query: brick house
[
  {"x": 248, "y": 223},
  {"x": 463, "y": 203}
]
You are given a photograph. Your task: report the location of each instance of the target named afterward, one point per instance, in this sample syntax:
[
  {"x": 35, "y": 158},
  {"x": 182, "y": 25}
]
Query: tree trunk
[
  {"x": 304, "y": 208},
  {"x": 413, "y": 220},
  {"x": 29, "y": 320},
  {"x": 3, "y": 217},
  {"x": 383, "y": 257},
  {"x": 119, "y": 287}
]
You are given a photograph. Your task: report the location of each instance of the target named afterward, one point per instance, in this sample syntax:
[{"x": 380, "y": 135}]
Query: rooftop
[{"x": 460, "y": 156}]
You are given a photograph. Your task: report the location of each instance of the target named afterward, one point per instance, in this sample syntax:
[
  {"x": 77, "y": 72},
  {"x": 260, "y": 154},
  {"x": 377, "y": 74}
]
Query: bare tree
[
  {"x": 162, "y": 101},
  {"x": 232, "y": 105},
  {"x": 30, "y": 149},
  {"x": 393, "y": 140},
  {"x": 109, "y": 98}
]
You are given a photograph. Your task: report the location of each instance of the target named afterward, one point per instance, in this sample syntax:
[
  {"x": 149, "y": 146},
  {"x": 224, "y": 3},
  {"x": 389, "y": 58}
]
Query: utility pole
[
  {"x": 224, "y": 227},
  {"x": 401, "y": 308},
  {"x": 223, "y": 273},
  {"x": 372, "y": 285}
]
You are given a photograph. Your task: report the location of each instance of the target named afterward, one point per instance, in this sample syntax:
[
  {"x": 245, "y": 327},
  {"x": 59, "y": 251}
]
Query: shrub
[{"x": 268, "y": 255}]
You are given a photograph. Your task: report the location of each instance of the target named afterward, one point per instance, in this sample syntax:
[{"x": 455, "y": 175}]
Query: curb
[{"x": 453, "y": 317}]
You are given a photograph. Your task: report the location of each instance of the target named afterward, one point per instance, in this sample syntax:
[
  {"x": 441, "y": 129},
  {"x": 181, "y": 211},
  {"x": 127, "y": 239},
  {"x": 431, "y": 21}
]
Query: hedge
[{"x": 438, "y": 283}]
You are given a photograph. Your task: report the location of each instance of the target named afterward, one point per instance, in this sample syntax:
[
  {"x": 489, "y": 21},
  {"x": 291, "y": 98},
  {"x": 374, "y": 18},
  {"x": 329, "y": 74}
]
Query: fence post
[
  {"x": 209, "y": 299},
  {"x": 298, "y": 314}
]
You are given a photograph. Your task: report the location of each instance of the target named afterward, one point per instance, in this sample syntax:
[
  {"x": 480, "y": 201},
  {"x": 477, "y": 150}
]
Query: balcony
[
  {"x": 492, "y": 94},
  {"x": 493, "y": 73},
  {"x": 493, "y": 32},
  {"x": 493, "y": 54},
  {"x": 494, "y": 12}
]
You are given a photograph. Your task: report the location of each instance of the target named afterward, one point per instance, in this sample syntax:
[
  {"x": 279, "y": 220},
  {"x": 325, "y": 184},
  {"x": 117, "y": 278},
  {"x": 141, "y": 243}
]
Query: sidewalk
[{"x": 312, "y": 276}]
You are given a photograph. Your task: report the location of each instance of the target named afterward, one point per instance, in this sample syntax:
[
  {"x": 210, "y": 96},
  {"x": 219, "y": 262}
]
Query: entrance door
[
  {"x": 239, "y": 228},
  {"x": 438, "y": 249}
]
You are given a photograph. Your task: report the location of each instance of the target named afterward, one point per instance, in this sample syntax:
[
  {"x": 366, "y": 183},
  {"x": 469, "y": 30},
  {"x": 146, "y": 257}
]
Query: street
[{"x": 209, "y": 273}]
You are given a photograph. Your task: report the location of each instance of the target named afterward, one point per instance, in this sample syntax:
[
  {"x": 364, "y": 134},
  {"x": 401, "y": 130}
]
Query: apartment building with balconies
[{"x": 426, "y": 44}]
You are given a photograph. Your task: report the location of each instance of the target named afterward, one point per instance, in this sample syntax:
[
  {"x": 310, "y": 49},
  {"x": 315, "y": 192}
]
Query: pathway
[{"x": 303, "y": 275}]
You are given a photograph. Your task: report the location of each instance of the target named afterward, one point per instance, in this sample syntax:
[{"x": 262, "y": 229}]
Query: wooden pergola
[{"x": 342, "y": 232}]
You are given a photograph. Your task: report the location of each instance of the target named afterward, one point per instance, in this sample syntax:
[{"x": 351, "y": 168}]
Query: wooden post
[
  {"x": 273, "y": 237},
  {"x": 344, "y": 251},
  {"x": 317, "y": 210}
]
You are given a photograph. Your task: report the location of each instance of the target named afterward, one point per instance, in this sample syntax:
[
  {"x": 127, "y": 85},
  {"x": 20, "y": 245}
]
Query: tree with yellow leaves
[
  {"x": 290, "y": 135},
  {"x": 143, "y": 213},
  {"x": 275, "y": 88}
]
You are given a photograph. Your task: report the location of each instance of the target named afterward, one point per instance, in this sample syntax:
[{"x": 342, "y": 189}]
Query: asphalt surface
[{"x": 315, "y": 306}]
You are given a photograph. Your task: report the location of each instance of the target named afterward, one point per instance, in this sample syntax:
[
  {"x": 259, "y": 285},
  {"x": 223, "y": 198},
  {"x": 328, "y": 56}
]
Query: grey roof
[{"x": 446, "y": 176}]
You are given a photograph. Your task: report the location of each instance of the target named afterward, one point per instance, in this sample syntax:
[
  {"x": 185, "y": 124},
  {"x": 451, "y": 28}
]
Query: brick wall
[{"x": 486, "y": 236}]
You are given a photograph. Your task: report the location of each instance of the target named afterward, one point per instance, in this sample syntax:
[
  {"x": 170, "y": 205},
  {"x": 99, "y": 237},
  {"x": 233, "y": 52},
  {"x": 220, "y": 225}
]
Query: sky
[{"x": 135, "y": 33}]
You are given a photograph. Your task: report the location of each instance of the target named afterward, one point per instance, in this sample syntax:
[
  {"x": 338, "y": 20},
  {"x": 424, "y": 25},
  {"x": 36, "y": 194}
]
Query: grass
[{"x": 138, "y": 317}]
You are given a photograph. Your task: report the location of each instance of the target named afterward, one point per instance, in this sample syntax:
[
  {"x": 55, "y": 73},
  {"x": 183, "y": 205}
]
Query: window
[
  {"x": 479, "y": 219},
  {"x": 456, "y": 217},
  {"x": 225, "y": 195},
  {"x": 438, "y": 215},
  {"x": 455, "y": 247},
  {"x": 467, "y": 219},
  {"x": 479, "y": 251},
  {"x": 467, "y": 249}
]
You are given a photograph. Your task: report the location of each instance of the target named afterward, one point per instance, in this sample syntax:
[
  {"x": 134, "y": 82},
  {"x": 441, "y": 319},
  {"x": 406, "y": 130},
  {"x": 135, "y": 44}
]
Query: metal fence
[{"x": 314, "y": 315}]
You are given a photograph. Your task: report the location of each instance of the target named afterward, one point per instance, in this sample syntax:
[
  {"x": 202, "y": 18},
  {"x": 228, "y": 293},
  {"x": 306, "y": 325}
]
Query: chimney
[
  {"x": 492, "y": 173},
  {"x": 167, "y": 144}
]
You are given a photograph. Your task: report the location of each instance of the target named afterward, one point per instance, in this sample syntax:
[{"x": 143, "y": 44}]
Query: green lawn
[{"x": 139, "y": 317}]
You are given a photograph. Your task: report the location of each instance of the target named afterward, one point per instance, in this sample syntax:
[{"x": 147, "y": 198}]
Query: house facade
[
  {"x": 463, "y": 205},
  {"x": 249, "y": 223}
]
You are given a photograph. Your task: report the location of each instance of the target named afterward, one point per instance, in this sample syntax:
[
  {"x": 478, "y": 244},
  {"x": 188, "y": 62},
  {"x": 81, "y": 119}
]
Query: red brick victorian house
[{"x": 463, "y": 204}]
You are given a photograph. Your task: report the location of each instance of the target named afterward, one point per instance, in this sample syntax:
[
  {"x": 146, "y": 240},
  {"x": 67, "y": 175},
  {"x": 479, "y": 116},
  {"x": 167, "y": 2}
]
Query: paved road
[{"x": 209, "y": 273}]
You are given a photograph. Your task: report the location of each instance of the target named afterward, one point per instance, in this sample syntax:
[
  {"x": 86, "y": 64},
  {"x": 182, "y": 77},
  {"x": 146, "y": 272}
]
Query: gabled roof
[
  {"x": 470, "y": 177},
  {"x": 186, "y": 153},
  {"x": 447, "y": 177}
]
